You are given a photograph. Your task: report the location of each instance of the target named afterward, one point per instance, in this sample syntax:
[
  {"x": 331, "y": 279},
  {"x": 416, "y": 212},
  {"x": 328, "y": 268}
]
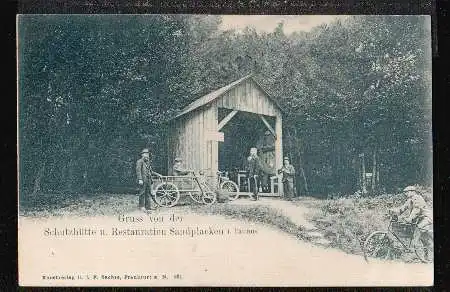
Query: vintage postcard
[{"x": 224, "y": 150}]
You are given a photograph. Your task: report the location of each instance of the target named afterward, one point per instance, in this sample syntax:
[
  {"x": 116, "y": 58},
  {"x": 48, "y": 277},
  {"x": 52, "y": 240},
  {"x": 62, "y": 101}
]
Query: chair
[
  {"x": 274, "y": 182},
  {"x": 241, "y": 176}
]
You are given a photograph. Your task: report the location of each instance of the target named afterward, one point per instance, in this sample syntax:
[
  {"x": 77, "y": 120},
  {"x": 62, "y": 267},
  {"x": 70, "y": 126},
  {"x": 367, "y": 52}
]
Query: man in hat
[
  {"x": 254, "y": 172},
  {"x": 144, "y": 175},
  {"x": 415, "y": 210},
  {"x": 288, "y": 172},
  {"x": 178, "y": 168}
]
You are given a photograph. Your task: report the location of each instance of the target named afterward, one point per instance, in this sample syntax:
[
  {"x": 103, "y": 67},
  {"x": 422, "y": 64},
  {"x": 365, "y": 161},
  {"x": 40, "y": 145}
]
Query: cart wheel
[
  {"x": 166, "y": 194},
  {"x": 378, "y": 245},
  {"x": 231, "y": 189},
  {"x": 196, "y": 196},
  {"x": 209, "y": 197},
  {"x": 423, "y": 252}
]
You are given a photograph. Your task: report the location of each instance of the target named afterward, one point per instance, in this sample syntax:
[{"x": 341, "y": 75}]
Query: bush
[
  {"x": 254, "y": 213},
  {"x": 346, "y": 222}
]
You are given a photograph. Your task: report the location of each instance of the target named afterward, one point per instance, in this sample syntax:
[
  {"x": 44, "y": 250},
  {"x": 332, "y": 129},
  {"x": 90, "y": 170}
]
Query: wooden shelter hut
[{"x": 216, "y": 131}]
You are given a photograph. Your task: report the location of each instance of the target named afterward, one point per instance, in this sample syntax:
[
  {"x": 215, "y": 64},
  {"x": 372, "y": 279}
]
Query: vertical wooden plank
[
  {"x": 184, "y": 142},
  {"x": 279, "y": 146},
  {"x": 207, "y": 128},
  {"x": 197, "y": 139},
  {"x": 188, "y": 132},
  {"x": 221, "y": 101},
  {"x": 201, "y": 141},
  {"x": 248, "y": 97},
  {"x": 194, "y": 140},
  {"x": 248, "y": 92},
  {"x": 236, "y": 99},
  {"x": 247, "y": 102},
  {"x": 244, "y": 104},
  {"x": 267, "y": 104},
  {"x": 226, "y": 100},
  {"x": 214, "y": 148},
  {"x": 260, "y": 99},
  {"x": 272, "y": 107},
  {"x": 239, "y": 99},
  {"x": 254, "y": 97}
]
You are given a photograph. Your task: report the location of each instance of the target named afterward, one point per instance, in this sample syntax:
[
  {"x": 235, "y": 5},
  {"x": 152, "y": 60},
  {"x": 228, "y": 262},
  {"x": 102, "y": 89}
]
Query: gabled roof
[{"x": 215, "y": 94}]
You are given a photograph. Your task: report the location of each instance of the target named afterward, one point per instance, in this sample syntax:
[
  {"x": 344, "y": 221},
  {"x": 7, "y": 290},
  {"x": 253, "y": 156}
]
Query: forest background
[{"x": 96, "y": 89}]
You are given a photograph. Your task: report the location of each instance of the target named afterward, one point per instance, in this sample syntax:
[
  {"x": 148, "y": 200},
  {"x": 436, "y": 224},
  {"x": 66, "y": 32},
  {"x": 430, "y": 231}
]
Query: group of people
[
  {"x": 144, "y": 172},
  {"x": 414, "y": 210},
  {"x": 254, "y": 167},
  {"x": 255, "y": 171}
]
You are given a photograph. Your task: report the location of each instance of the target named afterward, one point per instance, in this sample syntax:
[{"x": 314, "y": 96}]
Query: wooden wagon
[{"x": 169, "y": 189}]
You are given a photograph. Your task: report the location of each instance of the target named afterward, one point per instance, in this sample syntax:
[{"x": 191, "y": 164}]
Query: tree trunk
[
  {"x": 359, "y": 174},
  {"x": 374, "y": 170},
  {"x": 300, "y": 163},
  {"x": 364, "y": 187},
  {"x": 37, "y": 180}
]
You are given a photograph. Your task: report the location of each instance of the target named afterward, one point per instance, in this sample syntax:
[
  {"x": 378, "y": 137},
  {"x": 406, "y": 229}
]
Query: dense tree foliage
[{"x": 94, "y": 90}]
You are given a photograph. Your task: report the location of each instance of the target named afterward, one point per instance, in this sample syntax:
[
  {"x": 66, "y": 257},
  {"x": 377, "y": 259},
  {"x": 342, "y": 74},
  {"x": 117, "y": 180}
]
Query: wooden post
[
  {"x": 279, "y": 147},
  {"x": 268, "y": 126}
]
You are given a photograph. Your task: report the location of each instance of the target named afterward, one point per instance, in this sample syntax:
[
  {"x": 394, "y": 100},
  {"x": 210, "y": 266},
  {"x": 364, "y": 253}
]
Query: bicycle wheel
[
  {"x": 378, "y": 246},
  {"x": 424, "y": 251},
  {"x": 166, "y": 194},
  {"x": 196, "y": 196},
  {"x": 209, "y": 197},
  {"x": 231, "y": 189}
]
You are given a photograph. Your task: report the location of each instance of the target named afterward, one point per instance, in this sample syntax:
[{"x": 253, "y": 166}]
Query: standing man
[
  {"x": 288, "y": 172},
  {"x": 266, "y": 148},
  {"x": 254, "y": 172},
  {"x": 144, "y": 176}
]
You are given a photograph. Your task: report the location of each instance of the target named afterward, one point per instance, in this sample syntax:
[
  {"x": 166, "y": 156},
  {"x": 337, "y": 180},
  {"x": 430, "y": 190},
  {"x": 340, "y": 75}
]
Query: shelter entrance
[{"x": 241, "y": 132}]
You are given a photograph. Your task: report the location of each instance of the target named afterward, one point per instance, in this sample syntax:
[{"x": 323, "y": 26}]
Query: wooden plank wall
[
  {"x": 189, "y": 137},
  {"x": 189, "y": 140},
  {"x": 249, "y": 98}
]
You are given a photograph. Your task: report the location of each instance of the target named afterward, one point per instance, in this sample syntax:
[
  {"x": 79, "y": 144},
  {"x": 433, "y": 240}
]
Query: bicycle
[
  {"x": 389, "y": 244},
  {"x": 226, "y": 185},
  {"x": 168, "y": 192}
]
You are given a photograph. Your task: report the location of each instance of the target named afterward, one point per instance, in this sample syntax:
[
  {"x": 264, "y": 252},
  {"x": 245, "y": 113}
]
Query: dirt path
[
  {"x": 296, "y": 213},
  {"x": 267, "y": 257}
]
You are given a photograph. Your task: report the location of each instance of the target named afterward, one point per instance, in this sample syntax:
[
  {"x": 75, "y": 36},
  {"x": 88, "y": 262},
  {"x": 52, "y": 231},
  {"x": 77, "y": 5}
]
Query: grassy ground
[
  {"x": 59, "y": 205},
  {"x": 347, "y": 222},
  {"x": 253, "y": 213}
]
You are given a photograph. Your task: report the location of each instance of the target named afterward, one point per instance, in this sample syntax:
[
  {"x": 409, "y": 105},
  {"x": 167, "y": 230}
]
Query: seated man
[
  {"x": 415, "y": 210},
  {"x": 178, "y": 168}
]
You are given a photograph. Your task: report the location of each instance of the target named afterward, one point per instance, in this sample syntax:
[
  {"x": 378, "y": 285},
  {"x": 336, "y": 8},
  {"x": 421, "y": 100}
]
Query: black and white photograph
[{"x": 224, "y": 150}]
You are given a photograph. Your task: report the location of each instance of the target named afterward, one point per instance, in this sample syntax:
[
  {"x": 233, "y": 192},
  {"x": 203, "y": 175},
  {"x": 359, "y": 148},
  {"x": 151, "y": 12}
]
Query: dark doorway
[{"x": 241, "y": 133}]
